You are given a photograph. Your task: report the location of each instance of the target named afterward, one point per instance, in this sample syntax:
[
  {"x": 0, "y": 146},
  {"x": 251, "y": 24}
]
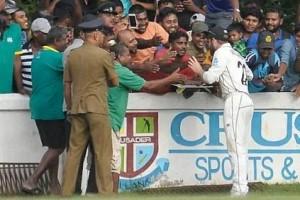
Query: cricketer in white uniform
[{"x": 230, "y": 70}]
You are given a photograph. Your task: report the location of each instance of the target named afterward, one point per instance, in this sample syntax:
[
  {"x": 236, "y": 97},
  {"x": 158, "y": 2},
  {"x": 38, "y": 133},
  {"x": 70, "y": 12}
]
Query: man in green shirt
[
  {"x": 46, "y": 108},
  {"x": 118, "y": 98},
  {"x": 10, "y": 42}
]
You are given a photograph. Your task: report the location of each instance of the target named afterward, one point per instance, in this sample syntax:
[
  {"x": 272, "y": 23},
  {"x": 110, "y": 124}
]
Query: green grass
[
  {"x": 172, "y": 197},
  {"x": 261, "y": 192}
]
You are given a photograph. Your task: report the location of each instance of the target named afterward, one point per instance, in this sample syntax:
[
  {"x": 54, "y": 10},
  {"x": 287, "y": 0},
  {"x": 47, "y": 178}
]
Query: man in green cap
[{"x": 198, "y": 46}]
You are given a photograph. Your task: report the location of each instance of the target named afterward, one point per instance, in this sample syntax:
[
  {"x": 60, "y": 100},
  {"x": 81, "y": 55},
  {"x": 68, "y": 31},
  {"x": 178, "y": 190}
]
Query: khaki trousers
[{"x": 98, "y": 128}]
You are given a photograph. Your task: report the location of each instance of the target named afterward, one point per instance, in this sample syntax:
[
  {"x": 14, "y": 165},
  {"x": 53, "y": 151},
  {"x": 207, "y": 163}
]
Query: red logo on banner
[{"x": 139, "y": 142}]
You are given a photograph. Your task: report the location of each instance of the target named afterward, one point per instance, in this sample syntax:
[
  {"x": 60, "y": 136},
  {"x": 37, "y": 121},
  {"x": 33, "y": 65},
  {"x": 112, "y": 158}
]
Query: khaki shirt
[
  {"x": 193, "y": 51},
  {"x": 89, "y": 69}
]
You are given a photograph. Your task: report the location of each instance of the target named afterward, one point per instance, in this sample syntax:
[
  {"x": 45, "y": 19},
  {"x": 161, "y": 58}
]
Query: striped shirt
[{"x": 26, "y": 56}]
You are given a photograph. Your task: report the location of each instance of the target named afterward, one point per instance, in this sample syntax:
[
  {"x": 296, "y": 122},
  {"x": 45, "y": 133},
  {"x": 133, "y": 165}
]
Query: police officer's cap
[
  {"x": 91, "y": 25},
  {"x": 107, "y": 7}
]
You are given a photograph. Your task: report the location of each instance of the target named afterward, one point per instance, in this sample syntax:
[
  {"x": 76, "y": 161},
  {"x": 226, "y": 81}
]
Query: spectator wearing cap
[
  {"x": 197, "y": 17},
  {"x": 10, "y": 42},
  {"x": 22, "y": 73},
  {"x": 86, "y": 98},
  {"x": 106, "y": 13},
  {"x": 46, "y": 103},
  {"x": 146, "y": 31},
  {"x": 222, "y": 13},
  {"x": 18, "y": 15},
  {"x": 199, "y": 43},
  {"x": 263, "y": 62},
  {"x": 10, "y": 7}
]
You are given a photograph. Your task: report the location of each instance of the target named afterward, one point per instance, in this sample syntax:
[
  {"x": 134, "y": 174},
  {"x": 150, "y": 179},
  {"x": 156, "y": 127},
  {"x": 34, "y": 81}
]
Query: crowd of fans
[
  {"x": 152, "y": 39},
  {"x": 157, "y": 29}
]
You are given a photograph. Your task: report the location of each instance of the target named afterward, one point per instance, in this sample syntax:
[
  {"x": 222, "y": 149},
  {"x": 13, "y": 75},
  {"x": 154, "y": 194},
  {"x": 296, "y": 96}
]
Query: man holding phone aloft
[{"x": 146, "y": 30}]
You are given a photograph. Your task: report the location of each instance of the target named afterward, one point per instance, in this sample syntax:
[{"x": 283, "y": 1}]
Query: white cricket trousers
[{"x": 238, "y": 112}]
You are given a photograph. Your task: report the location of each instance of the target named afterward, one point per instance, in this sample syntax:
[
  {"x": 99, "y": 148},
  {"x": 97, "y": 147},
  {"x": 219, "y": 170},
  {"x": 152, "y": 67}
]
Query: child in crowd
[{"x": 235, "y": 35}]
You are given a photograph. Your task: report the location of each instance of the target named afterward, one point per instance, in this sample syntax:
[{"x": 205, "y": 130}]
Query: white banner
[{"x": 170, "y": 141}]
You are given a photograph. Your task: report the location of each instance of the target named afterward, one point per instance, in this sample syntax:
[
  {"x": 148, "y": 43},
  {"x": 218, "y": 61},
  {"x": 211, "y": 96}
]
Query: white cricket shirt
[{"x": 230, "y": 70}]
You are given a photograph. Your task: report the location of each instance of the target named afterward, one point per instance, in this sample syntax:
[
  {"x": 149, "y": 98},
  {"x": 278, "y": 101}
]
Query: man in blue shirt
[
  {"x": 291, "y": 78},
  {"x": 273, "y": 22},
  {"x": 252, "y": 19},
  {"x": 263, "y": 62}
]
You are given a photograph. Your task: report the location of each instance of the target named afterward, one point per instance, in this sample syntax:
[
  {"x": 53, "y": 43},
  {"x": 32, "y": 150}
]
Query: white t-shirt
[{"x": 230, "y": 70}]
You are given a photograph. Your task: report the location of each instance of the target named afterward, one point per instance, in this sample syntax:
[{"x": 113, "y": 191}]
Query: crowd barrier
[{"x": 170, "y": 141}]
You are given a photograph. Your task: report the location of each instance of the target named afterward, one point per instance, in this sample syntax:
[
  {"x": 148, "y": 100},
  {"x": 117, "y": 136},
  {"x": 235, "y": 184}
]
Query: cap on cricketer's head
[
  {"x": 41, "y": 24},
  {"x": 107, "y": 7},
  {"x": 265, "y": 40},
  {"x": 218, "y": 33},
  {"x": 199, "y": 27}
]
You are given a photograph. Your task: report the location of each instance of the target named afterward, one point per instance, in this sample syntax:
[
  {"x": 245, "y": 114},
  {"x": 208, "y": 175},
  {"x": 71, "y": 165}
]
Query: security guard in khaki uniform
[{"x": 88, "y": 72}]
